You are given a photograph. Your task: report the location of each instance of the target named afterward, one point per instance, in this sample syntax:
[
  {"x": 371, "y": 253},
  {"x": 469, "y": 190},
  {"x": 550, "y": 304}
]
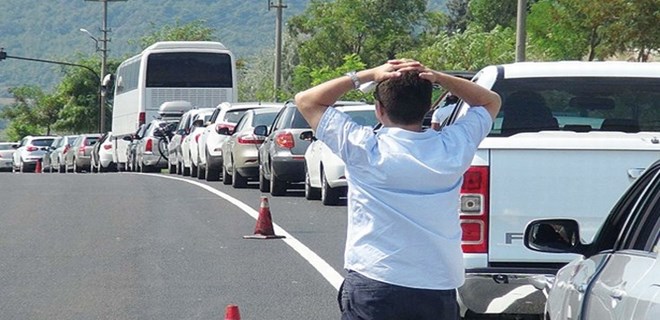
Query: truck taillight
[
  {"x": 474, "y": 209},
  {"x": 284, "y": 140},
  {"x": 149, "y": 145},
  {"x": 141, "y": 118}
]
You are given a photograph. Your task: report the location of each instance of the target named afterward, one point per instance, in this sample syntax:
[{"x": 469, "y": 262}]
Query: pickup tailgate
[{"x": 558, "y": 174}]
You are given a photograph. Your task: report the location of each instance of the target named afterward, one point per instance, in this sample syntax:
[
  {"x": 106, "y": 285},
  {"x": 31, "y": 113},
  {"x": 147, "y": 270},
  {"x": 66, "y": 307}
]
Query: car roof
[
  {"x": 253, "y": 105},
  {"x": 577, "y": 69}
]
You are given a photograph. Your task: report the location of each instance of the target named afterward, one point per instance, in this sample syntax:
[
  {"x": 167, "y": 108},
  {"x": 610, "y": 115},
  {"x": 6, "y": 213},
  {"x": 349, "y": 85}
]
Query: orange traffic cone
[
  {"x": 37, "y": 168},
  {"x": 232, "y": 313},
  {"x": 264, "y": 227}
]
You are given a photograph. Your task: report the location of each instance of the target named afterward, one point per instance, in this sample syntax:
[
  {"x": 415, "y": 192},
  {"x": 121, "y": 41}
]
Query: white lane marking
[
  {"x": 330, "y": 274},
  {"x": 499, "y": 305}
]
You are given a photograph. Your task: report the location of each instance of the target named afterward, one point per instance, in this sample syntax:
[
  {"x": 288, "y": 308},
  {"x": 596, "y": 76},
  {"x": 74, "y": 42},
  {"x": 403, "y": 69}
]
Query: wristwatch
[{"x": 354, "y": 78}]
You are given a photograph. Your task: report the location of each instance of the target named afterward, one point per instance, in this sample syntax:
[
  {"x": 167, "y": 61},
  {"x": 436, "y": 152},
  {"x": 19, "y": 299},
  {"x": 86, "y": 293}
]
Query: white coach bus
[{"x": 200, "y": 72}]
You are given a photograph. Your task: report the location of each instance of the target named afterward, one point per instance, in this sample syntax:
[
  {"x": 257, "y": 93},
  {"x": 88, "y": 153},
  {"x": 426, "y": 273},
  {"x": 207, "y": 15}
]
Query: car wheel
[
  {"x": 201, "y": 172},
  {"x": 76, "y": 169},
  {"x": 62, "y": 168},
  {"x": 329, "y": 196},
  {"x": 185, "y": 171},
  {"x": 22, "y": 167},
  {"x": 212, "y": 174},
  {"x": 226, "y": 177},
  {"x": 311, "y": 193},
  {"x": 264, "y": 184},
  {"x": 238, "y": 181},
  {"x": 171, "y": 168},
  {"x": 193, "y": 169},
  {"x": 277, "y": 186}
]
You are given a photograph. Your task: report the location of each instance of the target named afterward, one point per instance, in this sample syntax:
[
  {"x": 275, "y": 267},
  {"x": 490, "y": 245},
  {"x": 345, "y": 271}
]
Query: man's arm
[
  {"x": 313, "y": 102},
  {"x": 470, "y": 92}
]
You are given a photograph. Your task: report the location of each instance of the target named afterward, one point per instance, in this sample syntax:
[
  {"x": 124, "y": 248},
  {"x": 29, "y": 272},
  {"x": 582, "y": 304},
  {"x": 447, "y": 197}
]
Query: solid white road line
[{"x": 330, "y": 274}]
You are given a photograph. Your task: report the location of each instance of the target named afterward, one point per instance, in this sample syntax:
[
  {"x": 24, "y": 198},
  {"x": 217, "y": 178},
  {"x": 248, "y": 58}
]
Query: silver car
[
  {"x": 6, "y": 152},
  {"x": 617, "y": 275},
  {"x": 241, "y": 150},
  {"x": 30, "y": 150},
  {"x": 78, "y": 157},
  {"x": 151, "y": 150}
]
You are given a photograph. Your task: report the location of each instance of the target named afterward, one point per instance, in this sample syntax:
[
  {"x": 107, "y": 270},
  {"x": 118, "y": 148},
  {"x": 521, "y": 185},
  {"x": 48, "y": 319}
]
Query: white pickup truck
[{"x": 570, "y": 138}]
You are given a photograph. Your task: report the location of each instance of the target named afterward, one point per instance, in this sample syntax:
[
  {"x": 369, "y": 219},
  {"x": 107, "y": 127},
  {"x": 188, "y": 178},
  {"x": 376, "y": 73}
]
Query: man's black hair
[{"x": 406, "y": 99}]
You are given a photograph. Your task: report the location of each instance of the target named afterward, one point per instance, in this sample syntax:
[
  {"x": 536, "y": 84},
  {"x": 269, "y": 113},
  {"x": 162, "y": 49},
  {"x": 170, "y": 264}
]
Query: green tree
[
  {"x": 23, "y": 112},
  {"x": 470, "y": 50},
  {"x": 593, "y": 29},
  {"x": 375, "y": 30},
  {"x": 196, "y": 30}
]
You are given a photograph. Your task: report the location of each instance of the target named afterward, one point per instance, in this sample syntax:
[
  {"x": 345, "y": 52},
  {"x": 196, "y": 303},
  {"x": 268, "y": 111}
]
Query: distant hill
[{"x": 51, "y": 29}]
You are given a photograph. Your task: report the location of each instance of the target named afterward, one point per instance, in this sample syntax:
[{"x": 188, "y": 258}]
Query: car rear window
[
  {"x": 364, "y": 117},
  {"x": 5, "y": 147},
  {"x": 91, "y": 140},
  {"x": 579, "y": 104},
  {"x": 42, "y": 142},
  {"x": 233, "y": 116}
]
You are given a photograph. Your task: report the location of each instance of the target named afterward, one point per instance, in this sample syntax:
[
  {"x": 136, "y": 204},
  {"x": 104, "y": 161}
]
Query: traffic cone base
[
  {"x": 264, "y": 227},
  {"x": 37, "y": 167},
  {"x": 232, "y": 312}
]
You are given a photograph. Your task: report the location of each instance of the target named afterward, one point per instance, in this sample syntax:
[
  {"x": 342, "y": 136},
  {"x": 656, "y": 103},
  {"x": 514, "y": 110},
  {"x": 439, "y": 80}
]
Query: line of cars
[
  {"x": 267, "y": 143},
  {"x": 68, "y": 153}
]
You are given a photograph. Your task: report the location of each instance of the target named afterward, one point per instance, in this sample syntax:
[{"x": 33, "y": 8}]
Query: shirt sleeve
[
  {"x": 470, "y": 129},
  {"x": 342, "y": 136}
]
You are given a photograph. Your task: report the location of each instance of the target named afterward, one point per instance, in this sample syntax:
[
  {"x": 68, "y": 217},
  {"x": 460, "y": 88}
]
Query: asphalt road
[{"x": 156, "y": 246}]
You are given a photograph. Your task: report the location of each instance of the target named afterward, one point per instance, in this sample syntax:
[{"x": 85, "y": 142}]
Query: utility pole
[
  {"x": 104, "y": 58},
  {"x": 278, "y": 44},
  {"x": 521, "y": 33}
]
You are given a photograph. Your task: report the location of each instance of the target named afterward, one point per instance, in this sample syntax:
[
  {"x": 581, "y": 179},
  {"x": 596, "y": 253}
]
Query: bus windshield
[{"x": 189, "y": 70}]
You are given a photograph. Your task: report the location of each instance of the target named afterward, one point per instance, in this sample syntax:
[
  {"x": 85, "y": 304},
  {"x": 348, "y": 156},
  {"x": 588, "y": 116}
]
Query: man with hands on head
[{"x": 403, "y": 255}]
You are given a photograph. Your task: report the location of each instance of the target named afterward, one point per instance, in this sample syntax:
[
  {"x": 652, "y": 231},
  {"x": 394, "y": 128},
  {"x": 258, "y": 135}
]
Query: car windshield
[
  {"x": 577, "y": 104},
  {"x": 42, "y": 142}
]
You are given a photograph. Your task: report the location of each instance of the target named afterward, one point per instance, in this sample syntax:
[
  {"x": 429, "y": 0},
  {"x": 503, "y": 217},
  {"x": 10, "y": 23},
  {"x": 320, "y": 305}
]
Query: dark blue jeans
[{"x": 361, "y": 298}]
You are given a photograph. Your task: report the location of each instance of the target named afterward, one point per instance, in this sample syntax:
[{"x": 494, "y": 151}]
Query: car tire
[
  {"x": 193, "y": 169},
  {"x": 185, "y": 171},
  {"x": 226, "y": 177},
  {"x": 201, "y": 172},
  {"x": 211, "y": 173},
  {"x": 171, "y": 169},
  {"x": 329, "y": 196},
  {"x": 264, "y": 184},
  {"x": 311, "y": 193},
  {"x": 237, "y": 180},
  {"x": 76, "y": 168},
  {"x": 62, "y": 168},
  {"x": 23, "y": 167},
  {"x": 277, "y": 186}
]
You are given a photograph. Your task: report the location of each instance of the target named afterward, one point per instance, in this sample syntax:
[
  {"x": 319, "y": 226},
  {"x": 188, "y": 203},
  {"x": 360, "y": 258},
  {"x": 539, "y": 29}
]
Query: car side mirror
[
  {"x": 307, "y": 136},
  {"x": 553, "y": 236},
  {"x": 261, "y": 130},
  {"x": 223, "y": 131},
  {"x": 128, "y": 138}
]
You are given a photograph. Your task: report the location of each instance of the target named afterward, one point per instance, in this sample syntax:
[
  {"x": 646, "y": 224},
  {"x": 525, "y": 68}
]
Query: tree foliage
[
  {"x": 196, "y": 30},
  {"x": 373, "y": 30},
  {"x": 23, "y": 113}
]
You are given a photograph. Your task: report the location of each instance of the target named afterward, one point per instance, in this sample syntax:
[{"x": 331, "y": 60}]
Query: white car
[
  {"x": 189, "y": 149},
  {"x": 617, "y": 274},
  {"x": 6, "y": 152},
  {"x": 324, "y": 171},
  {"x": 101, "y": 158},
  {"x": 210, "y": 142},
  {"x": 30, "y": 150}
]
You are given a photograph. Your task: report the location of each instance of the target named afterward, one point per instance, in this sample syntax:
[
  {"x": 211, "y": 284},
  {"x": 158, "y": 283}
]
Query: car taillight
[
  {"x": 474, "y": 209},
  {"x": 250, "y": 139},
  {"x": 284, "y": 140},
  {"x": 107, "y": 146},
  {"x": 149, "y": 145},
  {"x": 81, "y": 150},
  {"x": 31, "y": 148},
  {"x": 197, "y": 137}
]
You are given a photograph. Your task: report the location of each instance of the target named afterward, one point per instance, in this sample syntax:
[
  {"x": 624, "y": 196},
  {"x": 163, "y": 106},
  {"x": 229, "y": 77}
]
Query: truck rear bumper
[{"x": 505, "y": 291}]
